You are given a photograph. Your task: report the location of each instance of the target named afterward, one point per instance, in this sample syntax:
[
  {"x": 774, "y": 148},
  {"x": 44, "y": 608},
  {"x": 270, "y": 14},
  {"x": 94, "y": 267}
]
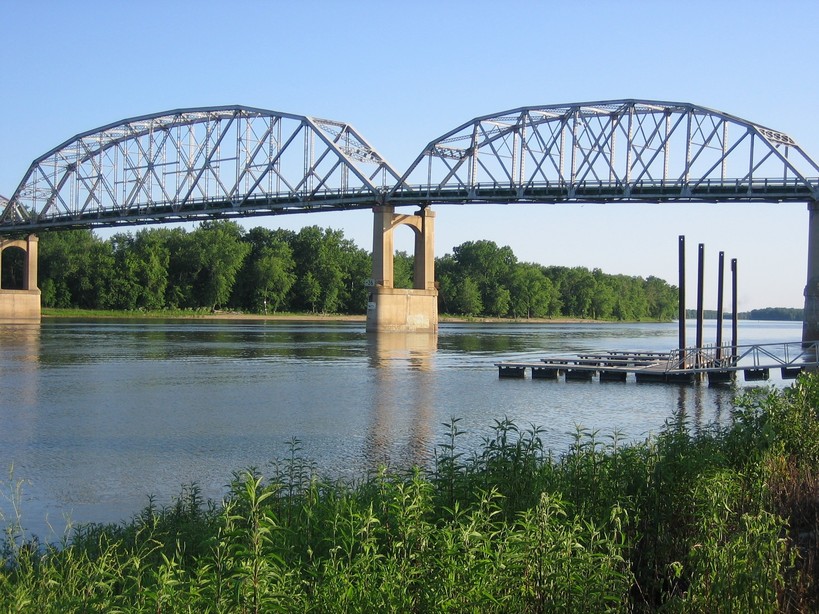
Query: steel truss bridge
[{"x": 234, "y": 161}]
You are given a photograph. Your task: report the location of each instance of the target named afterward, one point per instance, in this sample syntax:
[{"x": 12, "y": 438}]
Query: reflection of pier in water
[
  {"x": 20, "y": 344},
  {"x": 717, "y": 364},
  {"x": 400, "y": 401},
  {"x": 692, "y": 399},
  {"x": 22, "y": 376}
]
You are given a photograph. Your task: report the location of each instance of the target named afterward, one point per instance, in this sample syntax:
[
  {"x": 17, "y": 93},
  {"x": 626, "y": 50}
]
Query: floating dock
[{"x": 717, "y": 365}]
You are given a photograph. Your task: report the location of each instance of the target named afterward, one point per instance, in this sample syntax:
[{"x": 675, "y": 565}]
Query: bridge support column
[
  {"x": 21, "y": 305},
  {"x": 810, "y": 318},
  {"x": 392, "y": 309}
]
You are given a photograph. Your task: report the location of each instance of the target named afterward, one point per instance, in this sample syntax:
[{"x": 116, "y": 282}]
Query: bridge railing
[
  {"x": 334, "y": 199},
  {"x": 194, "y": 208},
  {"x": 791, "y": 188}
]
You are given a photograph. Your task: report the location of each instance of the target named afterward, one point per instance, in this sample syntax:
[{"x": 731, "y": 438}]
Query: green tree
[
  {"x": 75, "y": 269},
  {"x": 319, "y": 254},
  {"x": 260, "y": 240},
  {"x": 403, "y": 270},
  {"x": 219, "y": 252},
  {"x": 357, "y": 268},
  {"x": 446, "y": 274},
  {"x": 604, "y": 297},
  {"x": 498, "y": 301},
  {"x": 662, "y": 299},
  {"x": 141, "y": 271},
  {"x": 272, "y": 276},
  {"x": 491, "y": 268},
  {"x": 577, "y": 290},
  {"x": 631, "y": 302},
  {"x": 124, "y": 288},
  {"x": 309, "y": 290},
  {"x": 533, "y": 294},
  {"x": 183, "y": 267},
  {"x": 468, "y": 297},
  {"x": 153, "y": 257}
]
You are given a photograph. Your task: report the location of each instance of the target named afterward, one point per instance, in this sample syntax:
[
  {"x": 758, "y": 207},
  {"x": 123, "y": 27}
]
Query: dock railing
[
  {"x": 717, "y": 364},
  {"x": 795, "y": 354}
]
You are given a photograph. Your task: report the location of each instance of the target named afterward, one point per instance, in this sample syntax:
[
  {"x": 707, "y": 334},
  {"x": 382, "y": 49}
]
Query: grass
[
  {"x": 63, "y": 312},
  {"x": 201, "y": 313},
  {"x": 55, "y": 312},
  {"x": 721, "y": 520}
]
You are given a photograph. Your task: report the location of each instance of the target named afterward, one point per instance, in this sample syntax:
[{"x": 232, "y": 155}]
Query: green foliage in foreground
[{"x": 723, "y": 520}]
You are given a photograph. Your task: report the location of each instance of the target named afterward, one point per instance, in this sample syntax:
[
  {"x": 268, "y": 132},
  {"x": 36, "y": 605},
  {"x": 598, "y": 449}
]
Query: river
[{"x": 95, "y": 415}]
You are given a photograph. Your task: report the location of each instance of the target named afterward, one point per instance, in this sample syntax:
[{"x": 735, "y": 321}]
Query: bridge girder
[
  {"x": 196, "y": 164},
  {"x": 617, "y": 150}
]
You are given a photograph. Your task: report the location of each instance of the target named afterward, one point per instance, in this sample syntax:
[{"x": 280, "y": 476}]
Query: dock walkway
[{"x": 719, "y": 365}]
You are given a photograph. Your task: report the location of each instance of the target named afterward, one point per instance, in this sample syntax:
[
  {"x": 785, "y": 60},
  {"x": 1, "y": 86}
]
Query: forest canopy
[{"x": 219, "y": 265}]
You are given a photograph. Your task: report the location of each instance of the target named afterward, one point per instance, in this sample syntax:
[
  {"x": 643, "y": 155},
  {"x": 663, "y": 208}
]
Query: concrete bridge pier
[
  {"x": 391, "y": 309},
  {"x": 810, "y": 318},
  {"x": 21, "y": 305}
]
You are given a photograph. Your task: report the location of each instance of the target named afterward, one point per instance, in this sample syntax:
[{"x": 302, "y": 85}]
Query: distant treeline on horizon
[{"x": 782, "y": 314}]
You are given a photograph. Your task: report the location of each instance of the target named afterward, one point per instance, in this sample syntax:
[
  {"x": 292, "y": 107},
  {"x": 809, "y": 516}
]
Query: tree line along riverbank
[
  {"x": 709, "y": 520},
  {"x": 221, "y": 266}
]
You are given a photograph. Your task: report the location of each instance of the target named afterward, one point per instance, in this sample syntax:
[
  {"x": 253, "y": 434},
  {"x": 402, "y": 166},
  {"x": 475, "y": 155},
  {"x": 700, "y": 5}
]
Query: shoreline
[{"x": 54, "y": 313}]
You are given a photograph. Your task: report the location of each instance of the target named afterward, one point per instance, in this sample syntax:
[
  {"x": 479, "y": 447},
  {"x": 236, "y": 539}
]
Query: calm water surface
[{"x": 97, "y": 414}]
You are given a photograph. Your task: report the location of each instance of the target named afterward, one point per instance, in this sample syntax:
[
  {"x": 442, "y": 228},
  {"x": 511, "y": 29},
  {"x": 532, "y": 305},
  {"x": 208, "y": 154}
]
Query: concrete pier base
[
  {"x": 19, "y": 306},
  {"x": 402, "y": 310}
]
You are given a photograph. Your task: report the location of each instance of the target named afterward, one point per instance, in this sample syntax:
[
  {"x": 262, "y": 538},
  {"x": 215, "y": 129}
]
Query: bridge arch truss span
[
  {"x": 627, "y": 150},
  {"x": 199, "y": 163}
]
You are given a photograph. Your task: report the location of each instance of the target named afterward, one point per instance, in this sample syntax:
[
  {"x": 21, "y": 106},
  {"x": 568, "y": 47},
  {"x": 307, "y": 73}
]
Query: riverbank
[
  {"x": 192, "y": 314},
  {"x": 182, "y": 314}
]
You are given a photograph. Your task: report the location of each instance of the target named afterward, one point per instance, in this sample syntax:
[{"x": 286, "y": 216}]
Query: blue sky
[{"x": 404, "y": 73}]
